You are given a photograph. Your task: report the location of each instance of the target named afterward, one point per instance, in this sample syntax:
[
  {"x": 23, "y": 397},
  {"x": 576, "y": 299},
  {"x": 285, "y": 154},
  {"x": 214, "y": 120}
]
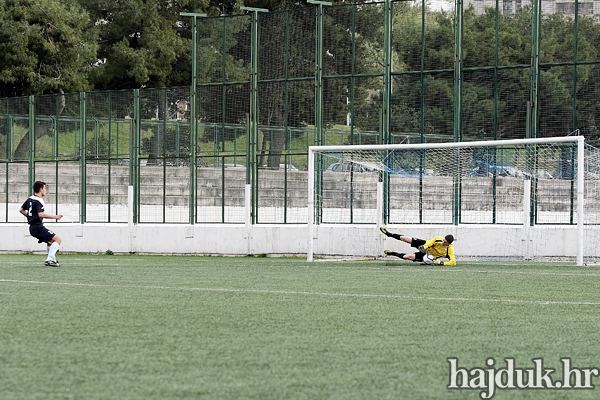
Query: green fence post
[
  {"x": 109, "y": 197},
  {"x": 535, "y": 70},
  {"x": 9, "y": 154},
  {"x": 533, "y": 104},
  {"x": 54, "y": 121},
  {"x": 422, "y": 101},
  {"x": 387, "y": 72},
  {"x": 9, "y": 138},
  {"x": 31, "y": 154},
  {"x": 386, "y": 114},
  {"x": 253, "y": 132},
  {"x": 574, "y": 104},
  {"x": 9, "y": 131},
  {"x": 193, "y": 135},
  {"x": 319, "y": 72},
  {"x": 134, "y": 155},
  {"x": 458, "y": 77},
  {"x": 319, "y": 136},
  {"x": 193, "y": 121},
  {"x": 82, "y": 158},
  {"x": 250, "y": 161},
  {"x": 575, "y": 61}
]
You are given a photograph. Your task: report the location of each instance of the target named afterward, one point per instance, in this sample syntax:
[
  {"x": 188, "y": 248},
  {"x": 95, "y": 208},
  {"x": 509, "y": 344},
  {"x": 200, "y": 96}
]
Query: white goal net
[{"x": 511, "y": 199}]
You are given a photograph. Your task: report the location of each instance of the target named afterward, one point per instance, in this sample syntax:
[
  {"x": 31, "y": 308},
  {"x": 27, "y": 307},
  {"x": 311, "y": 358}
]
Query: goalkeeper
[{"x": 439, "y": 247}]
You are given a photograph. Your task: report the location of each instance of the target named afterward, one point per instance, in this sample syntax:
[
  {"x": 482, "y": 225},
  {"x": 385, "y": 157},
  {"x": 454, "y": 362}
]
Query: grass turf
[{"x": 180, "y": 327}]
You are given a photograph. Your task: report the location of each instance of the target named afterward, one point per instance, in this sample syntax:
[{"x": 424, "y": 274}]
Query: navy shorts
[{"x": 41, "y": 233}]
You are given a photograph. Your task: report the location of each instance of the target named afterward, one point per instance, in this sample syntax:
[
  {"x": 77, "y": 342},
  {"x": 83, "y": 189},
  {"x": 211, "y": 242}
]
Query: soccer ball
[{"x": 428, "y": 259}]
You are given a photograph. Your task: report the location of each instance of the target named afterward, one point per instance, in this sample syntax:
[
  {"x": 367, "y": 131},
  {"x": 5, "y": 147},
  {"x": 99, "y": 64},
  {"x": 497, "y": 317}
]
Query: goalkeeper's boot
[
  {"x": 393, "y": 253},
  {"x": 389, "y": 234},
  {"x": 385, "y": 232}
]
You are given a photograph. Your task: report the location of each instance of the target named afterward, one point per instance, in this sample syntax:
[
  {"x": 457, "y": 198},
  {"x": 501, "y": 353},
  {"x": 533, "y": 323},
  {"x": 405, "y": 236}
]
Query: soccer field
[{"x": 184, "y": 327}]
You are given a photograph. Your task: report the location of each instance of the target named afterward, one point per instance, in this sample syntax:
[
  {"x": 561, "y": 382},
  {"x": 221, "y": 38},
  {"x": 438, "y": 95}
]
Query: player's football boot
[
  {"x": 52, "y": 263},
  {"x": 393, "y": 253},
  {"x": 385, "y": 232}
]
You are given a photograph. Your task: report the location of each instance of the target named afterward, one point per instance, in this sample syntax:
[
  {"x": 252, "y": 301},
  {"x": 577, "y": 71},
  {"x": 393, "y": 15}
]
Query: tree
[
  {"x": 46, "y": 46},
  {"x": 422, "y": 103},
  {"x": 143, "y": 43}
]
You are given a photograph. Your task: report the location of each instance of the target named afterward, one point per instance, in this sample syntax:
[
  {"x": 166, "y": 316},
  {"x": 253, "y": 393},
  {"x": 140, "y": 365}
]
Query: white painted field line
[
  {"x": 471, "y": 271},
  {"x": 308, "y": 293},
  {"x": 385, "y": 269}
]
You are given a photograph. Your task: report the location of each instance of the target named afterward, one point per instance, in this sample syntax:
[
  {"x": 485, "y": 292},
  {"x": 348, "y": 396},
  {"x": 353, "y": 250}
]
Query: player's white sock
[
  {"x": 47, "y": 249},
  {"x": 52, "y": 253}
]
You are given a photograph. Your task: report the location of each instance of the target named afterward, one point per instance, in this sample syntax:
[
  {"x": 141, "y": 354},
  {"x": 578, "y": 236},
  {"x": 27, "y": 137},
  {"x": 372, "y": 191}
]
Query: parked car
[
  {"x": 588, "y": 175},
  {"x": 487, "y": 169},
  {"x": 228, "y": 166},
  {"x": 543, "y": 174},
  {"x": 346, "y": 166},
  {"x": 282, "y": 167},
  {"x": 288, "y": 167}
]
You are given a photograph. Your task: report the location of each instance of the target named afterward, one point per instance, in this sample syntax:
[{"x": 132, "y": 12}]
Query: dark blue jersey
[{"x": 34, "y": 205}]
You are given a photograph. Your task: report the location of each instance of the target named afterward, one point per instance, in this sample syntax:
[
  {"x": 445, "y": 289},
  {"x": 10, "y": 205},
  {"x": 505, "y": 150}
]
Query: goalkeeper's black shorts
[
  {"x": 419, "y": 256},
  {"x": 417, "y": 242}
]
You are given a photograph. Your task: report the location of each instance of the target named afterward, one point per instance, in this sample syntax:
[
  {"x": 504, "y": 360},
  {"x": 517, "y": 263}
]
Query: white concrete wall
[
  {"x": 163, "y": 238},
  {"x": 339, "y": 240}
]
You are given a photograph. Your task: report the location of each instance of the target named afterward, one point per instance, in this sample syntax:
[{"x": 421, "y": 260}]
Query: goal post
[{"x": 530, "y": 190}]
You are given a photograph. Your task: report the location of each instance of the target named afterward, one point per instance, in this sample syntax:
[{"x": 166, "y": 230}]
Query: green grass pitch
[{"x": 184, "y": 327}]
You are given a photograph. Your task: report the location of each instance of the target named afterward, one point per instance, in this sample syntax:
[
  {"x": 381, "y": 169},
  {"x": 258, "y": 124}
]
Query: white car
[
  {"x": 228, "y": 166},
  {"x": 282, "y": 167},
  {"x": 346, "y": 166},
  {"x": 543, "y": 174},
  {"x": 289, "y": 167}
]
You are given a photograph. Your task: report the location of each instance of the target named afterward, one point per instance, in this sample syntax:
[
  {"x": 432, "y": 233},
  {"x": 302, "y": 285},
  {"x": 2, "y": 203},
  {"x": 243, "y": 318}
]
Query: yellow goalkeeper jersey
[{"x": 436, "y": 249}]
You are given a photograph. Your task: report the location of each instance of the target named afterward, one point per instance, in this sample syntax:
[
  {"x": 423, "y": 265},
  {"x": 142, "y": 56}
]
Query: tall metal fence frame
[{"x": 225, "y": 115}]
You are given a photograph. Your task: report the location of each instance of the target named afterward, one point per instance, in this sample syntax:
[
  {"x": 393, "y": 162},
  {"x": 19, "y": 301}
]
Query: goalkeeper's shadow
[{"x": 405, "y": 263}]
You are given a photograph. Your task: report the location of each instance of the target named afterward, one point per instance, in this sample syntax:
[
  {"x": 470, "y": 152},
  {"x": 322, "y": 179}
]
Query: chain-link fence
[{"x": 270, "y": 84}]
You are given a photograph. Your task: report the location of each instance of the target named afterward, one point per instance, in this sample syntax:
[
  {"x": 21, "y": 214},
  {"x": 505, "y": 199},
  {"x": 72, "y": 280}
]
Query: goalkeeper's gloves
[
  {"x": 422, "y": 249},
  {"x": 438, "y": 262}
]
